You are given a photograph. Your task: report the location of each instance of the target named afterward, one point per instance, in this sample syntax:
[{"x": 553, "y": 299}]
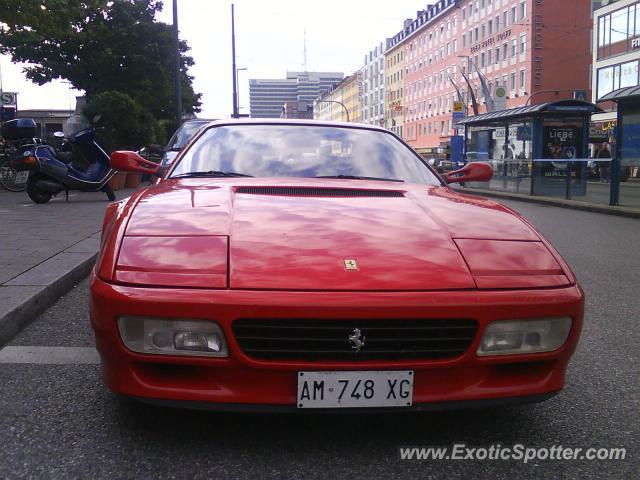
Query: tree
[
  {"x": 99, "y": 46},
  {"x": 127, "y": 125}
]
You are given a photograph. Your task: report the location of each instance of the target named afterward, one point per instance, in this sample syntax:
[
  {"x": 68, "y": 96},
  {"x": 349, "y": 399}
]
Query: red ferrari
[{"x": 291, "y": 265}]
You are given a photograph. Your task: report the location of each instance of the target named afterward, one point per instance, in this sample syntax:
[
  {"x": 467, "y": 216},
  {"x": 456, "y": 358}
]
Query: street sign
[
  {"x": 7, "y": 113},
  {"x": 523, "y": 133},
  {"x": 580, "y": 95},
  {"x": 8, "y": 99},
  {"x": 458, "y": 107},
  {"x": 457, "y": 146},
  {"x": 500, "y": 100}
]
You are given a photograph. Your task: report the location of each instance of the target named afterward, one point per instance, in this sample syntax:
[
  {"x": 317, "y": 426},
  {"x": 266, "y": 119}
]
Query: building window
[
  {"x": 489, "y": 27},
  {"x": 522, "y": 78},
  {"x": 514, "y": 47},
  {"x": 464, "y": 14},
  {"x": 483, "y": 30},
  {"x": 476, "y": 33},
  {"x": 513, "y": 15},
  {"x": 505, "y": 51},
  {"x": 513, "y": 80},
  {"x": 523, "y": 10},
  {"x": 523, "y": 43},
  {"x": 617, "y": 76},
  {"x": 497, "y": 55},
  {"x": 498, "y": 23},
  {"x": 464, "y": 40},
  {"x": 489, "y": 57},
  {"x": 505, "y": 19},
  {"x": 455, "y": 45}
]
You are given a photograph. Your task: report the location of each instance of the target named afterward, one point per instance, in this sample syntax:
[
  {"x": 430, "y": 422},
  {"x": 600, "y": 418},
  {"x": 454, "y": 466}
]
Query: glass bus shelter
[{"x": 537, "y": 150}]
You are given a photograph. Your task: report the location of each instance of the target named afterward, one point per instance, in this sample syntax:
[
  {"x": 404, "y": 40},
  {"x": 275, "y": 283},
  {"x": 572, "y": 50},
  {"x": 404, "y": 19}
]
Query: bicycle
[{"x": 10, "y": 179}]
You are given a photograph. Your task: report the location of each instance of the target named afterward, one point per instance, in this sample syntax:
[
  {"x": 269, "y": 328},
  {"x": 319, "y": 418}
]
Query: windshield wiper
[
  {"x": 358, "y": 177},
  {"x": 211, "y": 173}
]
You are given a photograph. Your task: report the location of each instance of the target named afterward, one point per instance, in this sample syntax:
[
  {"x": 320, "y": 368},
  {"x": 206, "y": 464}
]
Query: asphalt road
[{"x": 58, "y": 421}]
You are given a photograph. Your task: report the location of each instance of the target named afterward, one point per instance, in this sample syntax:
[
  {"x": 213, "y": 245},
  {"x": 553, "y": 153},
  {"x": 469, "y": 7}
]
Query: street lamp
[
  {"x": 177, "y": 74},
  {"x": 237, "y": 89},
  {"x": 556, "y": 91},
  {"x": 339, "y": 103}
]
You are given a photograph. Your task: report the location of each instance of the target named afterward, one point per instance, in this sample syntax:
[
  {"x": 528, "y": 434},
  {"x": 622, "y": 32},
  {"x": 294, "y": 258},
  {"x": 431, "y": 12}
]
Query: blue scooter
[{"x": 53, "y": 171}]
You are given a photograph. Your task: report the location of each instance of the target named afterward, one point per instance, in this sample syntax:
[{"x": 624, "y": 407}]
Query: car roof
[{"x": 291, "y": 121}]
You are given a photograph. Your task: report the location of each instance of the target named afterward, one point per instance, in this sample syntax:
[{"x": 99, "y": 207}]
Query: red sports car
[{"x": 309, "y": 265}]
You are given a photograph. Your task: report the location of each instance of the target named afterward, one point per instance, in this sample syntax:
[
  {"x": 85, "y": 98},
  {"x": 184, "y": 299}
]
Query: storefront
[{"x": 626, "y": 161}]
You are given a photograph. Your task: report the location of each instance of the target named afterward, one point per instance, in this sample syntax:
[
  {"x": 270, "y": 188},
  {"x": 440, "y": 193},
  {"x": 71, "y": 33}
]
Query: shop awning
[
  {"x": 625, "y": 93},
  {"x": 563, "y": 107}
]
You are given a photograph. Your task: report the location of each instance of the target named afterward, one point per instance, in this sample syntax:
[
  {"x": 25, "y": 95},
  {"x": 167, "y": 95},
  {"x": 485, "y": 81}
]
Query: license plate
[
  {"x": 355, "y": 389},
  {"x": 21, "y": 177}
]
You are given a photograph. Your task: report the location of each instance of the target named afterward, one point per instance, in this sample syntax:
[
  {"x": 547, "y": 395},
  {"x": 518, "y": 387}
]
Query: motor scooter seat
[{"x": 64, "y": 157}]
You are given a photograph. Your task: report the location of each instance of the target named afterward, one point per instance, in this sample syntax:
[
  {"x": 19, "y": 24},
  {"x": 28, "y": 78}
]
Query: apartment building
[{"x": 526, "y": 51}]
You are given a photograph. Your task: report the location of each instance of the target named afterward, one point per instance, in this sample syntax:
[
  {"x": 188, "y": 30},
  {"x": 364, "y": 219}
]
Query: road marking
[{"x": 49, "y": 355}]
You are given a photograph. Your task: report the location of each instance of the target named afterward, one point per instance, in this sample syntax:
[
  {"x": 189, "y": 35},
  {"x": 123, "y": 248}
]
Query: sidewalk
[
  {"x": 622, "y": 211},
  {"x": 596, "y": 193},
  {"x": 44, "y": 251}
]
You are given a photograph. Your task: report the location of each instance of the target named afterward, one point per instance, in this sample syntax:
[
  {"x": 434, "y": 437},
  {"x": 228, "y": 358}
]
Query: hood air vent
[{"x": 318, "y": 192}]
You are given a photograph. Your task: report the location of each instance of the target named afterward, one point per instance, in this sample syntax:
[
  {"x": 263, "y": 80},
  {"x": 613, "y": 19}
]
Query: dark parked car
[{"x": 180, "y": 138}]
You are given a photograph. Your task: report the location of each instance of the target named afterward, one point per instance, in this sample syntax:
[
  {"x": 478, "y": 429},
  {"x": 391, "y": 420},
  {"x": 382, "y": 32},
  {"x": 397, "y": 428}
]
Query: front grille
[
  {"x": 328, "y": 340},
  {"x": 318, "y": 192}
]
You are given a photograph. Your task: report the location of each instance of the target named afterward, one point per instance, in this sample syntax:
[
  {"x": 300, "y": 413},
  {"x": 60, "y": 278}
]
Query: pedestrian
[{"x": 604, "y": 166}]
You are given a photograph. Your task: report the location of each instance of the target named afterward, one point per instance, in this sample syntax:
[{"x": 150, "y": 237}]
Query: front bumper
[{"x": 243, "y": 381}]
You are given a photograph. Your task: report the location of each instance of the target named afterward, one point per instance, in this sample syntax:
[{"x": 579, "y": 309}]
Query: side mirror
[
  {"x": 58, "y": 134},
  {"x": 127, "y": 161},
  {"x": 471, "y": 172}
]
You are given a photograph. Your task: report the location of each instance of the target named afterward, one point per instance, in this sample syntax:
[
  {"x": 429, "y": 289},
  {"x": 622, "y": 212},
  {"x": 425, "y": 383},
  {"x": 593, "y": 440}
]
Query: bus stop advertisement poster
[{"x": 560, "y": 146}]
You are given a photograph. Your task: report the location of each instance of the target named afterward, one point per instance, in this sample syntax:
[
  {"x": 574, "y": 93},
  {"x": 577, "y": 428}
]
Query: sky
[{"x": 269, "y": 41}]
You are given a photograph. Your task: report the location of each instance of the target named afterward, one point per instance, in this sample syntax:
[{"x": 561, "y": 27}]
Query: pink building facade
[{"x": 536, "y": 50}]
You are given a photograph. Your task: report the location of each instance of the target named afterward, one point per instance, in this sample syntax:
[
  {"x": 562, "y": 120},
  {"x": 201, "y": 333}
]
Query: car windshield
[
  {"x": 184, "y": 134},
  {"x": 303, "y": 151}
]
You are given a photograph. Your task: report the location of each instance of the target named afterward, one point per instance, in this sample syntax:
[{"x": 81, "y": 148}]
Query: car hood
[{"x": 327, "y": 235}]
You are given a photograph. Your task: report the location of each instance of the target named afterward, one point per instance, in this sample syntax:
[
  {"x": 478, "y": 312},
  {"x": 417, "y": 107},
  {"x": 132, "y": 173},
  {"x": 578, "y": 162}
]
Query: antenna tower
[{"x": 304, "y": 64}]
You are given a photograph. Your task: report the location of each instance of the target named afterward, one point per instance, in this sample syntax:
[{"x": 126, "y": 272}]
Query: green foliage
[
  {"x": 100, "y": 46},
  {"x": 126, "y": 124}
]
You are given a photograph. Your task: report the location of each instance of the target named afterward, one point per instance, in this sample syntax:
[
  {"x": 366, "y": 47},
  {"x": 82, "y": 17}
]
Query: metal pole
[
  {"x": 233, "y": 64},
  {"x": 614, "y": 165},
  {"x": 238, "y": 70},
  {"x": 177, "y": 74}
]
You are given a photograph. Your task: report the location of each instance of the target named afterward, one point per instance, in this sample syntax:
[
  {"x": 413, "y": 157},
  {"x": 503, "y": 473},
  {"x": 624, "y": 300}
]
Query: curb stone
[
  {"x": 556, "y": 202},
  {"x": 23, "y": 298}
]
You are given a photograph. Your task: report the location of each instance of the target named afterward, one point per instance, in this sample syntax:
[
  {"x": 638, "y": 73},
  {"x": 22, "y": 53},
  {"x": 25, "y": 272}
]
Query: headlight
[
  {"x": 509, "y": 337},
  {"x": 173, "y": 336}
]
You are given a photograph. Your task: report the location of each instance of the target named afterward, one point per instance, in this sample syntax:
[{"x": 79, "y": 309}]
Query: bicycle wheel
[{"x": 12, "y": 180}]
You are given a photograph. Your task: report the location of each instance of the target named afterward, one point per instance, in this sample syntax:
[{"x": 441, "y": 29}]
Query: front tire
[
  {"x": 109, "y": 191},
  {"x": 35, "y": 194}
]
